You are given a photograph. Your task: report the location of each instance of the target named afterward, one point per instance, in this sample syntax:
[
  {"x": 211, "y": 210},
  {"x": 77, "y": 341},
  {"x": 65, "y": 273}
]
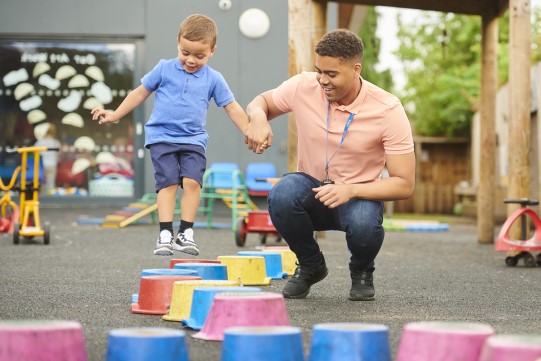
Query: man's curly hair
[{"x": 342, "y": 44}]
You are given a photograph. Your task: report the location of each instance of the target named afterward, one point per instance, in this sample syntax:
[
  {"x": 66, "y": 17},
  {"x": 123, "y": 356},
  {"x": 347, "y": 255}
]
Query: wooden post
[
  {"x": 356, "y": 20},
  {"x": 519, "y": 104},
  {"x": 489, "y": 84},
  {"x": 419, "y": 192},
  {"x": 307, "y": 24}
]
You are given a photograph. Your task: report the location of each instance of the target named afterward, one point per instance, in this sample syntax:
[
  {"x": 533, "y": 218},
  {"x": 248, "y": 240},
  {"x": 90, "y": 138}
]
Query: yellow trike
[{"x": 29, "y": 223}]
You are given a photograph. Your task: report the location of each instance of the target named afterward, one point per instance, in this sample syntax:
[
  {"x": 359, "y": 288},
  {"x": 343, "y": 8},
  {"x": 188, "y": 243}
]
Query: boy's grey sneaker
[
  {"x": 185, "y": 243},
  {"x": 164, "y": 244},
  {"x": 304, "y": 277},
  {"x": 362, "y": 285}
]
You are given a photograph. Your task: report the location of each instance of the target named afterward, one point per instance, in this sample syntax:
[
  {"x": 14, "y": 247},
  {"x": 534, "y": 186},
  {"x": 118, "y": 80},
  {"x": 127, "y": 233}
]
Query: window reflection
[{"x": 56, "y": 84}]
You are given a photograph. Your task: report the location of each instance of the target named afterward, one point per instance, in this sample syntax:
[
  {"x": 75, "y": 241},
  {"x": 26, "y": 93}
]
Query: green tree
[
  {"x": 372, "y": 46},
  {"x": 441, "y": 57}
]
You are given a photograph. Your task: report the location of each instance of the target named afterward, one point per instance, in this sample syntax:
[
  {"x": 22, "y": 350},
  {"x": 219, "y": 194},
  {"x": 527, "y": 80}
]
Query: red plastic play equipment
[
  {"x": 524, "y": 246},
  {"x": 257, "y": 221}
]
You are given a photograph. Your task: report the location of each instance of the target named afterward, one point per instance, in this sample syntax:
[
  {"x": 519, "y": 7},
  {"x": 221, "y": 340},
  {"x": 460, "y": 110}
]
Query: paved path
[{"x": 89, "y": 273}]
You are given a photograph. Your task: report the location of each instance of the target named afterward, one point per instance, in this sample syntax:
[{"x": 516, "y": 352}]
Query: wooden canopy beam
[{"x": 452, "y": 6}]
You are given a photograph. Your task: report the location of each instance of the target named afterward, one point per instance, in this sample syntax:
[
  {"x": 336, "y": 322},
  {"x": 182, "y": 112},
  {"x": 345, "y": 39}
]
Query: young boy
[{"x": 175, "y": 133}]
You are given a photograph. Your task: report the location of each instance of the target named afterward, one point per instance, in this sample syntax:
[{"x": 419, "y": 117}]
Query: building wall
[{"x": 249, "y": 65}]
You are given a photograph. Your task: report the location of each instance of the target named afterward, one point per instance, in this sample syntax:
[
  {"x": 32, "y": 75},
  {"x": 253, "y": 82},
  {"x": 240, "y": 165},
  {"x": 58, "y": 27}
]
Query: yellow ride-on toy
[{"x": 29, "y": 223}]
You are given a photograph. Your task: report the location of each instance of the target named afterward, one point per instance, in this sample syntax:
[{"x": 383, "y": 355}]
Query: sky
[{"x": 387, "y": 28}]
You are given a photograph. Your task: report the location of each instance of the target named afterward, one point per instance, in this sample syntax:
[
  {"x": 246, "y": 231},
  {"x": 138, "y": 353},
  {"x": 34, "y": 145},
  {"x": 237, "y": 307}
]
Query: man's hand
[{"x": 333, "y": 195}]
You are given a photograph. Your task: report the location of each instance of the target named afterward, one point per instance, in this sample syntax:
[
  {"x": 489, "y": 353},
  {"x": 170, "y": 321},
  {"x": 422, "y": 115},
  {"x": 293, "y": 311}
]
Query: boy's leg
[
  {"x": 188, "y": 211},
  {"x": 166, "y": 206},
  {"x": 189, "y": 204},
  {"x": 166, "y": 203},
  {"x": 192, "y": 163},
  {"x": 190, "y": 199},
  {"x": 167, "y": 175}
]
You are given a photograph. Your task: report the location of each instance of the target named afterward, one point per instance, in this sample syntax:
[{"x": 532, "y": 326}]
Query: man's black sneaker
[
  {"x": 299, "y": 284},
  {"x": 362, "y": 285}
]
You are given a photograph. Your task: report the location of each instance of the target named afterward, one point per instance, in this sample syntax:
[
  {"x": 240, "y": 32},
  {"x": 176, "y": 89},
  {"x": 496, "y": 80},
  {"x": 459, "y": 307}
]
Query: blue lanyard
[{"x": 346, "y": 128}]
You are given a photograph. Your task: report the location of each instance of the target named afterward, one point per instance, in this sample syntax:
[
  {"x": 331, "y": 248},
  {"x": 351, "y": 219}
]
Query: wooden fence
[{"x": 441, "y": 164}]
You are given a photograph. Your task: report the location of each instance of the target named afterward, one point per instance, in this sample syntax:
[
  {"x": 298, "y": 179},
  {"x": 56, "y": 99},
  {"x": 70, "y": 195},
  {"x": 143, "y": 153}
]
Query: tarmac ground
[{"x": 89, "y": 273}]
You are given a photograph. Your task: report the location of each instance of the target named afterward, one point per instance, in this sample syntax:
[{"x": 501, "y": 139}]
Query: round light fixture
[{"x": 254, "y": 23}]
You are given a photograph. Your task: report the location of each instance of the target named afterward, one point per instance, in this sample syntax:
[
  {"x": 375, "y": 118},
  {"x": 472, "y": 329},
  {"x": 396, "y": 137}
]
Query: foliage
[
  {"x": 441, "y": 56},
  {"x": 372, "y": 45}
]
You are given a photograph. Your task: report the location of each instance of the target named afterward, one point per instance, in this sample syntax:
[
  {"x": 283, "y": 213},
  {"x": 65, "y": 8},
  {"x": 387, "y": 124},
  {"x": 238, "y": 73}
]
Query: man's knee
[{"x": 365, "y": 228}]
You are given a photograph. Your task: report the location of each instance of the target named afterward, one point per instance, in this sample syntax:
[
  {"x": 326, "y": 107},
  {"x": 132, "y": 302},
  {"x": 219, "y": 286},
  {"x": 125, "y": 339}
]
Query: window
[{"x": 44, "y": 83}]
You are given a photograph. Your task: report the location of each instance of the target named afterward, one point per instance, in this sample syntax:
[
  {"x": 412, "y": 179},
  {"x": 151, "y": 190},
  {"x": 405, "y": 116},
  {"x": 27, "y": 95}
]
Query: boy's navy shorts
[{"x": 172, "y": 162}]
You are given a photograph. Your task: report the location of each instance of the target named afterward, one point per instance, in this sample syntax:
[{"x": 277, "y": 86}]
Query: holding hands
[{"x": 258, "y": 138}]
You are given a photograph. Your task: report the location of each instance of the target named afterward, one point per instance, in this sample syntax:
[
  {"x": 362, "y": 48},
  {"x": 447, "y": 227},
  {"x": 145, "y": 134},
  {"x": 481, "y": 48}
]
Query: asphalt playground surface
[{"x": 89, "y": 273}]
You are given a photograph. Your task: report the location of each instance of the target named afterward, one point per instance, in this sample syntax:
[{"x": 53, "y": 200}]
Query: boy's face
[{"x": 193, "y": 55}]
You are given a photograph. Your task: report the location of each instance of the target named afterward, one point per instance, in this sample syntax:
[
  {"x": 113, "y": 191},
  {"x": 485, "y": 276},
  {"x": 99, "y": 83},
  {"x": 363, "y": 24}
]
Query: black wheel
[
  {"x": 46, "y": 233},
  {"x": 240, "y": 233},
  {"x": 263, "y": 238},
  {"x": 16, "y": 233},
  {"x": 529, "y": 260},
  {"x": 538, "y": 259},
  {"x": 511, "y": 261}
]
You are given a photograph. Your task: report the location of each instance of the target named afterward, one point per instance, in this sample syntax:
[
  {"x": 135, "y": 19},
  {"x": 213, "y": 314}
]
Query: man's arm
[
  {"x": 260, "y": 110},
  {"x": 401, "y": 181},
  {"x": 399, "y": 185}
]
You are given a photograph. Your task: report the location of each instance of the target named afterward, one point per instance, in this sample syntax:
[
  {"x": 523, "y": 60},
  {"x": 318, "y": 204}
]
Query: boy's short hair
[
  {"x": 341, "y": 43},
  {"x": 199, "y": 27}
]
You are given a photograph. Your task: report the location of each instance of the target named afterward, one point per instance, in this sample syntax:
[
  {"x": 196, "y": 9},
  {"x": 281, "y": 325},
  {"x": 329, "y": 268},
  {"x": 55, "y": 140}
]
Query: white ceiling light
[
  {"x": 254, "y": 23},
  {"x": 224, "y": 4}
]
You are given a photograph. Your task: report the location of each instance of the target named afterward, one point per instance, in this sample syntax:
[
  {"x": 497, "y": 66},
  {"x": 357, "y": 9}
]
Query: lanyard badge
[{"x": 327, "y": 180}]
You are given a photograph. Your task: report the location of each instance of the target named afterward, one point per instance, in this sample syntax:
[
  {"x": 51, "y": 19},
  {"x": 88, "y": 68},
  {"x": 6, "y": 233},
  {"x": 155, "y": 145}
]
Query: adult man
[{"x": 348, "y": 131}]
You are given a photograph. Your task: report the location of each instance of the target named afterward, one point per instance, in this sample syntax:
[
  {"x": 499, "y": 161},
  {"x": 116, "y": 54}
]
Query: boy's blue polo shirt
[{"x": 181, "y": 102}]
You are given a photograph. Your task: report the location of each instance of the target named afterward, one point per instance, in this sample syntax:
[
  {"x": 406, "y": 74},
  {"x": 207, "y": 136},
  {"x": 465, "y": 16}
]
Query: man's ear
[
  {"x": 212, "y": 51},
  {"x": 358, "y": 68}
]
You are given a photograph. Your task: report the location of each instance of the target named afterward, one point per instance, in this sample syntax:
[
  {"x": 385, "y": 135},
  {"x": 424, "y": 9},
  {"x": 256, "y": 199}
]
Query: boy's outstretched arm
[
  {"x": 239, "y": 117},
  {"x": 132, "y": 100}
]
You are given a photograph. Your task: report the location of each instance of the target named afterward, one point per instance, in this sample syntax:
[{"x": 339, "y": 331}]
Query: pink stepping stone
[
  {"x": 41, "y": 341},
  {"x": 443, "y": 341},
  {"x": 512, "y": 348},
  {"x": 243, "y": 309}
]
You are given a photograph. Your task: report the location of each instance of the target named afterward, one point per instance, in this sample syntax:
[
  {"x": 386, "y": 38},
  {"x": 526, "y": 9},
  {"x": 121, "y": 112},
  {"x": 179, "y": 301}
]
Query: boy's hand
[
  {"x": 103, "y": 116},
  {"x": 262, "y": 147},
  {"x": 258, "y": 138}
]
